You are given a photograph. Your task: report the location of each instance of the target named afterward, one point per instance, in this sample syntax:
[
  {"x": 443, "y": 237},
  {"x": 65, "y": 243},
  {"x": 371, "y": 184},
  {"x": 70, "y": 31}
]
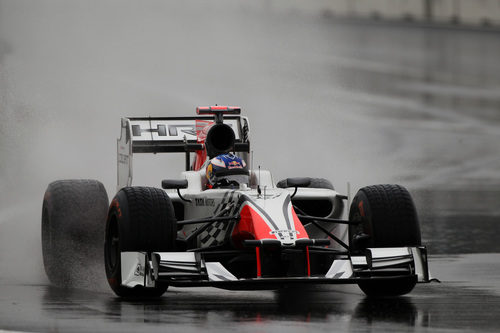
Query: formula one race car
[{"x": 226, "y": 225}]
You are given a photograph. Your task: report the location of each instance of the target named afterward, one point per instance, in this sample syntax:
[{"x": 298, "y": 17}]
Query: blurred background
[{"x": 365, "y": 92}]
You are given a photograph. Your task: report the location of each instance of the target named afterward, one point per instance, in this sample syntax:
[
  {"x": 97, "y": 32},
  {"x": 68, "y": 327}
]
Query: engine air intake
[{"x": 220, "y": 140}]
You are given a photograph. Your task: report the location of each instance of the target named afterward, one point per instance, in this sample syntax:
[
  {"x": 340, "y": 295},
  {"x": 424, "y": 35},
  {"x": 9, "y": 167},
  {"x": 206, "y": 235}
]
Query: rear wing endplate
[{"x": 168, "y": 135}]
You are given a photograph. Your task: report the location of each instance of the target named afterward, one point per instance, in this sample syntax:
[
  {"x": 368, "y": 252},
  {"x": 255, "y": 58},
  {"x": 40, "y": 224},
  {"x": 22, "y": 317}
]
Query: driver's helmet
[{"x": 226, "y": 171}]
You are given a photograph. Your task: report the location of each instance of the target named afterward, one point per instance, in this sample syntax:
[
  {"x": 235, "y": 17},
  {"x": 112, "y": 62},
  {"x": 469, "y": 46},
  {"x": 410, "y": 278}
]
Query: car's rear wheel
[
  {"x": 387, "y": 218},
  {"x": 73, "y": 222},
  {"x": 315, "y": 183},
  {"x": 140, "y": 219},
  {"x": 321, "y": 208}
]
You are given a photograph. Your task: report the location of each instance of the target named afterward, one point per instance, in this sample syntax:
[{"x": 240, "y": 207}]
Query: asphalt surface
[
  {"x": 467, "y": 299},
  {"x": 351, "y": 102}
]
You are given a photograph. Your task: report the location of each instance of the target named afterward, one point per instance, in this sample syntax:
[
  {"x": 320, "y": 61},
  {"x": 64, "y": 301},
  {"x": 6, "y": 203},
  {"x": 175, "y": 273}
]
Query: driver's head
[{"x": 226, "y": 171}]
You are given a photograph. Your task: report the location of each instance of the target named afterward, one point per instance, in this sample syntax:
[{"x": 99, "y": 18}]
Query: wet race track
[
  {"x": 468, "y": 299},
  {"x": 352, "y": 102}
]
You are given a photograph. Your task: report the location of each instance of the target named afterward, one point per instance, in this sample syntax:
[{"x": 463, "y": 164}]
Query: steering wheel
[{"x": 226, "y": 183}]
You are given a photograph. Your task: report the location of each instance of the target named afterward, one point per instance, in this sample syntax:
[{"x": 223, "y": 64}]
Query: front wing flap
[{"x": 186, "y": 269}]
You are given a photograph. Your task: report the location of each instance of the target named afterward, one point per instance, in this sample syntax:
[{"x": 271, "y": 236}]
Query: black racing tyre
[
  {"x": 387, "y": 218},
  {"x": 315, "y": 183},
  {"x": 318, "y": 208},
  {"x": 73, "y": 223},
  {"x": 139, "y": 219}
]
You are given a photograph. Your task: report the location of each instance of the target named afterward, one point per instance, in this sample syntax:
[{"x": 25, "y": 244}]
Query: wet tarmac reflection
[{"x": 436, "y": 306}]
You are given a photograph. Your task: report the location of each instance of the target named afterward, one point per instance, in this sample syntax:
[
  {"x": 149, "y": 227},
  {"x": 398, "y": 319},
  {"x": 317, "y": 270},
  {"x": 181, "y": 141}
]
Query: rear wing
[{"x": 169, "y": 135}]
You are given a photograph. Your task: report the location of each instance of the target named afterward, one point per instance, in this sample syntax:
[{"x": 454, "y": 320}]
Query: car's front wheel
[
  {"x": 140, "y": 219},
  {"x": 386, "y": 217}
]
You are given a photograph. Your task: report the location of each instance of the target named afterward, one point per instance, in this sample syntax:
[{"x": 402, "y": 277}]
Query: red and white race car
[{"x": 226, "y": 225}]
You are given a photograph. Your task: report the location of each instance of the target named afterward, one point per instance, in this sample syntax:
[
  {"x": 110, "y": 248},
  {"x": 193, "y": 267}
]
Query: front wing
[{"x": 191, "y": 269}]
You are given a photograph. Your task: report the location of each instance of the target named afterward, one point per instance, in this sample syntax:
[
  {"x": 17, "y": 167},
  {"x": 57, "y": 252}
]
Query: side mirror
[
  {"x": 176, "y": 184},
  {"x": 297, "y": 182}
]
